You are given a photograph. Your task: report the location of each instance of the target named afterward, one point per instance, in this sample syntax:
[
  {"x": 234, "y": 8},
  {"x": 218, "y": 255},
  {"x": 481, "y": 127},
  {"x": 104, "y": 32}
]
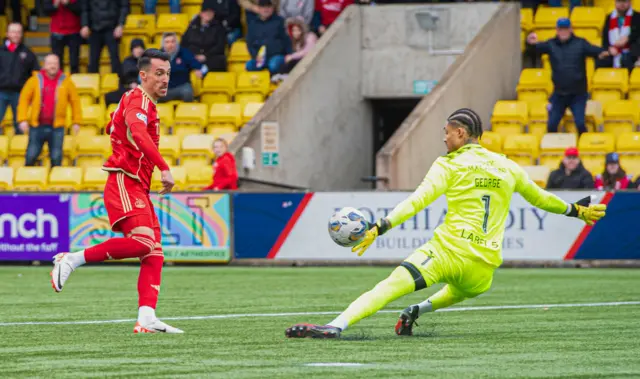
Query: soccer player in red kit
[{"x": 135, "y": 136}]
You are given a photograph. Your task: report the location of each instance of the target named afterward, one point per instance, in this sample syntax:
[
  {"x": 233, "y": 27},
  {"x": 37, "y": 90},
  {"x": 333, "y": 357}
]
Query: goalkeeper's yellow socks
[
  {"x": 441, "y": 299},
  {"x": 398, "y": 284}
]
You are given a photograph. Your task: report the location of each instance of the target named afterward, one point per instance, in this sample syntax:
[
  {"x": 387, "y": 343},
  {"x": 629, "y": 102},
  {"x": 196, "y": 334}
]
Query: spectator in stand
[
  {"x": 558, "y": 3},
  {"x": 327, "y": 11},
  {"x": 567, "y": 54},
  {"x": 102, "y": 23},
  {"x": 150, "y": 6},
  {"x": 182, "y": 63},
  {"x": 302, "y": 41},
  {"x": 267, "y": 40},
  {"x": 252, "y": 8},
  {"x": 297, "y": 8},
  {"x": 621, "y": 29},
  {"x": 227, "y": 12},
  {"x": 48, "y": 93},
  {"x": 17, "y": 62},
  {"x": 15, "y": 7},
  {"x": 225, "y": 174},
  {"x": 65, "y": 30},
  {"x": 571, "y": 174},
  {"x": 206, "y": 38},
  {"x": 130, "y": 71},
  {"x": 613, "y": 177}
]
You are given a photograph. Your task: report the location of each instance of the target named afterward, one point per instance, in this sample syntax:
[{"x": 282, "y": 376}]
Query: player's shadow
[{"x": 427, "y": 332}]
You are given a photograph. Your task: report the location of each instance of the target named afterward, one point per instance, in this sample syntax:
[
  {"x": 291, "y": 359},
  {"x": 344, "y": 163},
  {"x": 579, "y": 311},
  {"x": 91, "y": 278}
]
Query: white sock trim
[
  {"x": 339, "y": 322},
  {"x": 146, "y": 314},
  {"x": 425, "y": 307},
  {"x": 77, "y": 259}
]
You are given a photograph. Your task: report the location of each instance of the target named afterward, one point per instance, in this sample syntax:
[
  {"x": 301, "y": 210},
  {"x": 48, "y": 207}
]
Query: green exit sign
[{"x": 270, "y": 159}]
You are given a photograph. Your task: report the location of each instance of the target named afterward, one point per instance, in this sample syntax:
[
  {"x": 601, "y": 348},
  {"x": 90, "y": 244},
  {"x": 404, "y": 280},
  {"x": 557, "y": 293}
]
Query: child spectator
[
  {"x": 130, "y": 72},
  {"x": 182, "y": 63},
  {"x": 225, "y": 174},
  {"x": 297, "y": 8},
  {"x": 302, "y": 42},
  {"x": 65, "y": 30},
  {"x": 327, "y": 11},
  {"x": 206, "y": 38},
  {"x": 267, "y": 40},
  {"x": 571, "y": 174},
  {"x": 613, "y": 177}
]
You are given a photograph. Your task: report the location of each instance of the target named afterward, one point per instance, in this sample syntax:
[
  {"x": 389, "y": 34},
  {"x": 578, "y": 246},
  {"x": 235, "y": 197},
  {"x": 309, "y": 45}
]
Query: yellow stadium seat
[
  {"x": 545, "y": 34},
  {"x": 65, "y": 179},
  {"x": 539, "y": 174},
  {"x": 538, "y": 116},
  {"x": 218, "y": 87},
  {"x": 199, "y": 177},
  {"x": 552, "y": 147},
  {"x": 87, "y": 84},
  {"x": 630, "y": 164},
  {"x": 17, "y": 150},
  {"x": 6, "y": 178},
  {"x": 31, "y": 179},
  {"x": 237, "y": 67},
  {"x": 604, "y": 97},
  {"x": 166, "y": 116},
  {"x": 611, "y": 79},
  {"x": 243, "y": 99},
  {"x": 589, "y": 18},
  {"x": 593, "y": 147},
  {"x": 87, "y": 100},
  {"x": 546, "y": 18},
  {"x": 107, "y": 115},
  {"x": 140, "y": 26},
  {"x": 94, "y": 178},
  {"x": 526, "y": 19},
  {"x": 227, "y": 115},
  {"x": 190, "y": 118},
  {"x": 250, "y": 110},
  {"x": 254, "y": 82},
  {"x": 522, "y": 148},
  {"x": 92, "y": 151},
  {"x": 93, "y": 117},
  {"x": 179, "y": 174},
  {"x": 239, "y": 52},
  {"x": 170, "y": 147},
  {"x": 586, "y": 33},
  {"x": 634, "y": 84},
  {"x": 200, "y": 145},
  {"x": 196, "y": 84},
  {"x": 621, "y": 116},
  {"x": 171, "y": 22},
  {"x": 534, "y": 85},
  {"x": 593, "y": 118},
  {"x": 4, "y": 148},
  {"x": 509, "y": 117},
  {"x": 628, "y": 143},
  {"x": 110, "y": 83},
  {"x": 606, "y": 5},
  {"x": 491, "y": 141}
]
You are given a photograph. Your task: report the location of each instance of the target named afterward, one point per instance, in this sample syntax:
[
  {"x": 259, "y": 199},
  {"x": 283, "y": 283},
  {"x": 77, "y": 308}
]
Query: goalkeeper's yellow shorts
[{"x": 429, "y": 265}]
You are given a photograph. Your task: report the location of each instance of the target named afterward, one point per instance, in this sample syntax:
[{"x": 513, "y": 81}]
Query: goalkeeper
[{"x": 466, "y": 249}]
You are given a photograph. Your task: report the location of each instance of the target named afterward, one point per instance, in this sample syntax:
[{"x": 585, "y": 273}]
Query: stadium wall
[{"x": 486, "y": 72}]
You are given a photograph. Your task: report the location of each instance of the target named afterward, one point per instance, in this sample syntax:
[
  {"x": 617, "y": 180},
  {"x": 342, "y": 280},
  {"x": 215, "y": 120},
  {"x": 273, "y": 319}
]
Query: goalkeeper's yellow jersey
[{"x": 478, "y": 185}]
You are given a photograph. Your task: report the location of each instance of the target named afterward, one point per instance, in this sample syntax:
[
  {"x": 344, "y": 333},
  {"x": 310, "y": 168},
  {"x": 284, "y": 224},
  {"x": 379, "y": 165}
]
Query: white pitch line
[{"x": 290, "y": 314}]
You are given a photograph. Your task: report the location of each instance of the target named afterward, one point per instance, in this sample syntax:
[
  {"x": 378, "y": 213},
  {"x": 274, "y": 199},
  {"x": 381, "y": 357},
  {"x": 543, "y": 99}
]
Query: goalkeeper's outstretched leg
[{"x": 446, "y": 297}]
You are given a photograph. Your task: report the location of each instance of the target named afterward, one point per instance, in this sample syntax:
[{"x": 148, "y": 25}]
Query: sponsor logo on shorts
[
  {"x": 142, "y": 117},
  {"x": 140, "y": 203}
]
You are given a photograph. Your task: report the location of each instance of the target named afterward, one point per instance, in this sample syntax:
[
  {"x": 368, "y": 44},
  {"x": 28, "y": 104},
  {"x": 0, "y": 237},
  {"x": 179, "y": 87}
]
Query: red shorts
[{"x": 124, "y": 198}]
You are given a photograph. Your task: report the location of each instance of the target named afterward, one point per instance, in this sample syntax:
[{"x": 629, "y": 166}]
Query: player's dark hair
[
  {"x": 468, "y": 119},
  {"x": 145, "y": 60}
]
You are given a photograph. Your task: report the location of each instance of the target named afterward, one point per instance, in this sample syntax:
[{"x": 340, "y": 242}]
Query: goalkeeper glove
[
  {"x": 587, "y": 212},
  {"x": 379, "y": 228}
]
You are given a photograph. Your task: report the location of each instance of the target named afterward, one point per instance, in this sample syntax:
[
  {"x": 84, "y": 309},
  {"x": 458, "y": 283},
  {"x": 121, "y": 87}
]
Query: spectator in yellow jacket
[{"x": 48, "y": 93}]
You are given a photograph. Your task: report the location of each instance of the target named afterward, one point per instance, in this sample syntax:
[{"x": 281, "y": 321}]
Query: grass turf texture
[{"x": 597, "y": 342}]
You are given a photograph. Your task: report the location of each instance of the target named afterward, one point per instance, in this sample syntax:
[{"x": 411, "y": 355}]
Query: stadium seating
[
  {"x": 552, "y": 147},
  {"x": 168, "y": 22},
  {"x": 250, "y": 110},
  {"x": 87, "y": 84},
  {"x": 94, "y": 179},
  {"x": 199, "y": 177},
  {"x": 17, "y": 150},
  {"x": 628, "y": 146},
  {"x": 538, "y": 116},
  {"x": 534, "y": 85},
  {"x": 252, "y": 87},
  {"x": 509, "y": 117},
  {"x": 491, "y": 141},
  {"x": 621, "y": 116},
  {"x": 609, "y": 84},
  {"x": 31, "y": 179},
  {"x": 587, "y": 18},
  {"x": 109, "y": 83},
  {"x": 92, "y": 119},
  {"x": 593, "y": 147},
  {"x": 634, "y": 85},
  {"x": 225, "y": 115},
  {"x": 65, "y": 179},
  {"x": 6, "y": 178},
  {"x": 238, "y": 56},
  {"x": 166, "y": 116},
  {"x": 4, "y": 148},
  {"x": 546, "y": 18},
  {"x": 593, "y": 118},
  {"x": 179, "y": 174},
  {"x": 522, "y": 148},
  {"x": 197, "y": 150},
  {"x": 539, "y": 174},
  {"x": 92, "y": 150},
  {"x": 190, "y": 118},
  {"x": 526, "y": 19},
  {"x": 218, "y": 87},
  {"x": 170, "y": 148},
  {"x": 140, "y": 26}
]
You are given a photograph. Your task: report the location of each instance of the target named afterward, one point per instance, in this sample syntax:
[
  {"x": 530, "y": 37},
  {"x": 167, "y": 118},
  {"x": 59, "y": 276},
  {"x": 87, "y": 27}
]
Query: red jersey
[
  {"x": 622, "y": 183},
  {"x": 225, "y": 175},
  {"x": 135, "y": 137},
  {"x": 331, "y": 9}
]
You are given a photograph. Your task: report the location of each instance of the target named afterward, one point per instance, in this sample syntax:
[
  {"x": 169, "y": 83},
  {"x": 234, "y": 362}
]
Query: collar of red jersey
[{"x": 147, "y": 95}]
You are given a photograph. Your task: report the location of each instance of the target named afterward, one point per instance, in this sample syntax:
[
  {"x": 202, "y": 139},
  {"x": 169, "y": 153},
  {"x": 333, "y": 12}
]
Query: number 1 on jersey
[{"x": 486, "y": 199}]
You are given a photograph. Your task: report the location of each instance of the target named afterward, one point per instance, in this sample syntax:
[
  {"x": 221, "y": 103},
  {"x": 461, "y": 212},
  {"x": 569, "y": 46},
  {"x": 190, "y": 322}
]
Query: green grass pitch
[{"x": 573, "y": 342}]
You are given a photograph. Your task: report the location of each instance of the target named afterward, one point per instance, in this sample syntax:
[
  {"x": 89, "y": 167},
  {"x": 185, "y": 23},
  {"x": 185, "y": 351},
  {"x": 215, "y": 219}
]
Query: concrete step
[{"x": 35, "y": 39}]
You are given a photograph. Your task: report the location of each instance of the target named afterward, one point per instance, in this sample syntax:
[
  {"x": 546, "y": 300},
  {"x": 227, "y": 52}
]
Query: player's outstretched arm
[{"x": 433, "y": 185}]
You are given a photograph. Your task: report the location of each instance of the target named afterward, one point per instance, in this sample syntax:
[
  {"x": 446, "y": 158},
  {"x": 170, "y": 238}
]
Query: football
[{"x": 347, "y": 226}]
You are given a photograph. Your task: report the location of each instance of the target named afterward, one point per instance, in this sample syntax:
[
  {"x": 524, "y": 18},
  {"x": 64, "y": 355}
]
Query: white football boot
[
  {"x": 155, "y": 326},
  {"x": 62, "y": 268}
]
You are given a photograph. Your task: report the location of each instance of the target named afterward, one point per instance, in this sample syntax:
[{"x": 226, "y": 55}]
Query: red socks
[
  {"x": 150, "y": 278},
  {"x": 135, "y": 246}
]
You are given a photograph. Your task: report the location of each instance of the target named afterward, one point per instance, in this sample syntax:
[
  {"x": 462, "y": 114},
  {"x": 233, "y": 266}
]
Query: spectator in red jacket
[
  {"x": 327, "y": 11},
  {"x": 613, "y": 177},
  {"x": 65, "y": 30},
  {"x": 225, "y": 175}
]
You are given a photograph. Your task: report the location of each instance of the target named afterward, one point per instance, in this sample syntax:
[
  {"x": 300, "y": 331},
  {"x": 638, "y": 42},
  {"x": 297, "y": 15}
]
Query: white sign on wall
[{"x": 270, "y": 142}]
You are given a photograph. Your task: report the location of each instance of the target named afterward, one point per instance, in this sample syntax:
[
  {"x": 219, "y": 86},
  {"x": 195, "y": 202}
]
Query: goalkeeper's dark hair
[
  {"x": 145, "y": 59},
  {"x": 468, "y": 119}
]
